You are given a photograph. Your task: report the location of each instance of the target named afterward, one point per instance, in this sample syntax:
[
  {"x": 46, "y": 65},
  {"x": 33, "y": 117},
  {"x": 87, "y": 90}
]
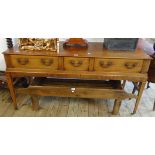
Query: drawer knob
[
  {"x": 46, "y": 62},
  {"x": 130, "y": 65},
  {"x": 105, "y": 65},
  {"x": 76, "y": 64},
  {"x": 23, "y": 61}
]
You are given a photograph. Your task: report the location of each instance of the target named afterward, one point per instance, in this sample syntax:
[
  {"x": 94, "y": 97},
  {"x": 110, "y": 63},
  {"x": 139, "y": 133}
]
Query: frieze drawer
[
  {"x": 72, "y": 63},
  {"x": 118, "y": 65},
  {"x": 36, "y": 62}
]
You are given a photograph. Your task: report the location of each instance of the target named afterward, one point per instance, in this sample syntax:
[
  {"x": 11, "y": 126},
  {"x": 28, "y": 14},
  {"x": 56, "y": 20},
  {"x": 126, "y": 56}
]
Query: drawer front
[
  {"x": 36, "y": 62},
  {"x": 118, "y": 65},
  {"x": 72, "y": 63}
]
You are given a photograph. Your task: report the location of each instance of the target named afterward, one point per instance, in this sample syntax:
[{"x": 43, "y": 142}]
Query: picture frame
[{"x": 48, "y": 44}]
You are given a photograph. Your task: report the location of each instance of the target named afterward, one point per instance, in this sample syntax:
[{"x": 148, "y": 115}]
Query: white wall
[{"x": 3, "y": 47}]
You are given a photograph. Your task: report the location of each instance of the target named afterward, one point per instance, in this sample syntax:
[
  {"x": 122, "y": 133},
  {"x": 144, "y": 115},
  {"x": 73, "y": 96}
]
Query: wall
[{"x": 3, "y": 47}]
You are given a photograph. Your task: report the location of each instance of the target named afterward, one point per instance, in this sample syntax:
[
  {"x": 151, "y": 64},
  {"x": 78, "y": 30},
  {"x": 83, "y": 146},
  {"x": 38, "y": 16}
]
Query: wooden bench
[{"x": 76, "y": 88}]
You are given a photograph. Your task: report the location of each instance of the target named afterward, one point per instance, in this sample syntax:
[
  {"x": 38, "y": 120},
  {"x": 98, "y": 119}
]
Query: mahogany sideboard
[{"x": 94, "y": 63}]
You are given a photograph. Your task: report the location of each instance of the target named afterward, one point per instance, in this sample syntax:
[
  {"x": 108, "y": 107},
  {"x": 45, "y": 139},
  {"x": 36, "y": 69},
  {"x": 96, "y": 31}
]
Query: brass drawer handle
[
  {"x": 23, "y": 61},
  {"x": 76, "y": 64},
  {"x": 130, "y": 65},
  {"x": 105, "y": 65},
  {"x": 47, "y": 62}
]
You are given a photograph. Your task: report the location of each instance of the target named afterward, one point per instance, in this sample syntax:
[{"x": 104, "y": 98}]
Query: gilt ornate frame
[{"x": 49, "y": 44}]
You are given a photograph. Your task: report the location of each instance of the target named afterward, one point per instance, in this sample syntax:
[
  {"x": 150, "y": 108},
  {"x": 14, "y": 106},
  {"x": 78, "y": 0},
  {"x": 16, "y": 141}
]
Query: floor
[{"x": 74, "y": 107}]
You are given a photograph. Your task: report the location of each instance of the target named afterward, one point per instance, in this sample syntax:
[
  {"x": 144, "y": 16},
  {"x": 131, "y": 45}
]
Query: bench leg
[
  {"x": 35, "y": 103},
  {"x": 116, "y": 107}
]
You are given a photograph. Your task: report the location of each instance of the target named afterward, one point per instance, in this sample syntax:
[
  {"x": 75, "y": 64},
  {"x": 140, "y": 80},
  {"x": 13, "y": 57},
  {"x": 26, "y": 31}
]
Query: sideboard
[{"x": 94, "y": 63}]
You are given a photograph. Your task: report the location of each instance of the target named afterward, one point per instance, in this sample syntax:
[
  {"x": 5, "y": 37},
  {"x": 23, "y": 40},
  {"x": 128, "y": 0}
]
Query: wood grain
[
  {"x": 95, "y": 62},
  {"x": 145, "y": 108}
]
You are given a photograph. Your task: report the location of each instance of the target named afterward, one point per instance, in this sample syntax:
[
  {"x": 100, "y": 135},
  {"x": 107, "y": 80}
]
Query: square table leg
[
  {"x": 11, "y": 89},
  {"x": 140, "y": 92}
]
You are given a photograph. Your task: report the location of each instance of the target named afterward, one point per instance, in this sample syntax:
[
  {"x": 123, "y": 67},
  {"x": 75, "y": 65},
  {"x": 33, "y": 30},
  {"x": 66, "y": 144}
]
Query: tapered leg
[
  {"x": 116, "y": 107},
  {"x": 140, "y": 92},
  {"x": 12, "y": 90},
  {"x": 35, "y": 102}
]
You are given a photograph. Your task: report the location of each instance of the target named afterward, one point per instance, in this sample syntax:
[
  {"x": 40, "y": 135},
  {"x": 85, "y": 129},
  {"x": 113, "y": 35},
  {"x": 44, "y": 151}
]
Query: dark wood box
[{"x": 123, "y": 44}]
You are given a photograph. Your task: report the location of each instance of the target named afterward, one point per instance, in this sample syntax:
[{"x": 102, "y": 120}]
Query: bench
[{"x": 76, "y": 88}]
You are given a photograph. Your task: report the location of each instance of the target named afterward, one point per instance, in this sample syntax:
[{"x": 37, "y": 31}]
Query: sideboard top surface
[{"x": 94, "y": 49}]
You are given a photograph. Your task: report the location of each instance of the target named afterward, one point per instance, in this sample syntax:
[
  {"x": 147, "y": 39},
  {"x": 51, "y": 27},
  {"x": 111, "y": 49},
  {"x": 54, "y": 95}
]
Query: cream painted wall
[{"x": 3, "y": 47}]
